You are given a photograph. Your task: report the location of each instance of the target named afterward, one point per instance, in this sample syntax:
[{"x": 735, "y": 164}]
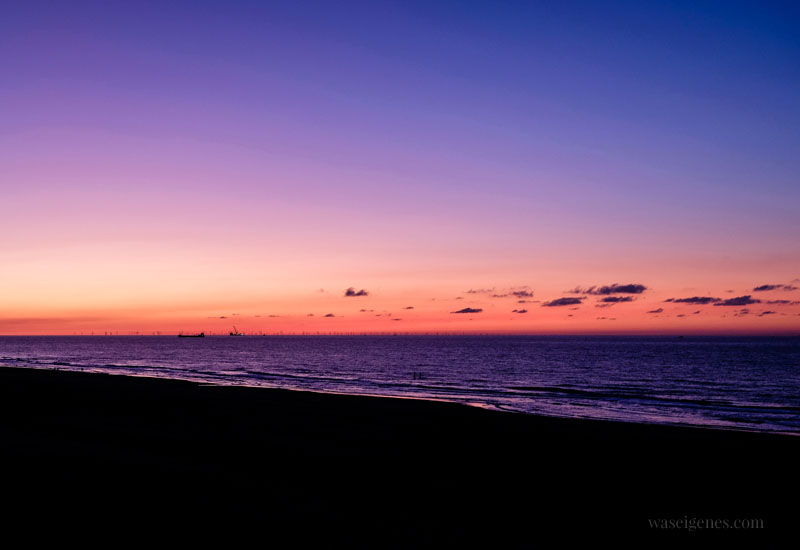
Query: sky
[{"x": 498, "y": 167}]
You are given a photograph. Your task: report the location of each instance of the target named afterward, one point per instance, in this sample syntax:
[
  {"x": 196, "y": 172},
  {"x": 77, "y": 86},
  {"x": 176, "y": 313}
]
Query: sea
[{"x": 740, "y": 383}]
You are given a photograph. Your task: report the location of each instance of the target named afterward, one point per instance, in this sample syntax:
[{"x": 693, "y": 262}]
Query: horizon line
[{"x": 795, "y": 333}]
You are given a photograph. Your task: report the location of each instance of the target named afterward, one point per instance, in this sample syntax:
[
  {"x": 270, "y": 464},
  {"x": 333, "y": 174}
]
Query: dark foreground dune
[{"x": 84, "y": 454}]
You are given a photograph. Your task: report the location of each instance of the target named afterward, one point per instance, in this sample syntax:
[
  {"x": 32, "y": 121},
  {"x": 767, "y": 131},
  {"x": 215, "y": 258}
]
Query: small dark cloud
[
  {"x": 310, "y": 315},
  {"x": 659, "y": 310},
  {"x": 763, "y": 288},
  {"x": 606, "y": 318},
  {"x": 694, "y": 300},
  {"x": 616, "y": 299},
  {"x": 362, "y": 310},
  {"x": 458, "y": 298},
  {"x": 558, "y": 302},
  {"x": 743, "y": 311},
  {"x": 681, "y": 315},
  {"x": 330, "y": 315},
  {"x": 784, "y": 302},
  {"x": 350, "y": 292},
  {"x": 396, "y": 319},
  {"x": 273, "y": 315},
  {"x": 480, "y": 290},
  {"x": 696, "y": 312},
  {"x": 499, "y": 295},
  {"x": 409, "y": 307},
  {"x": 766, "y": 313},
  {"x": 522, "y": 294},
  {"x": 222, "y": 317},
  {"x": 738, "y": 301},
  {"x": 631, "y": 288},
  {"x": 468, "y": 310},
  {"x": 519, "y": 311}
]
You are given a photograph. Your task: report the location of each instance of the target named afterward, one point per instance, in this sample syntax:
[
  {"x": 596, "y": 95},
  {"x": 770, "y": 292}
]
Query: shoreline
[
  {"x": 411, "y": 399},
  {"x": 121, "y": 440},
  {"x": 475, "y": 404}
]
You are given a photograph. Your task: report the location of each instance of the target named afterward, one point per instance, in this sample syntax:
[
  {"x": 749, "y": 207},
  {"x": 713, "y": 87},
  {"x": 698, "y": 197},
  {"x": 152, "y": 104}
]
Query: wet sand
[{"x": 140, "y": 454}]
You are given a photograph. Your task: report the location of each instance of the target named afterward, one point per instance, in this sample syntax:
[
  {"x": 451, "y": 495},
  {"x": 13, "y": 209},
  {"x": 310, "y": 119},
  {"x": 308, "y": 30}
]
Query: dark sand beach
[{"x": 144, "y": 454}]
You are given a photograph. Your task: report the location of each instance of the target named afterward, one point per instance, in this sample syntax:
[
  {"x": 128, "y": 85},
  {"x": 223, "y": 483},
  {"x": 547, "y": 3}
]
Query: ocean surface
[{"x": 725, "y": 382}]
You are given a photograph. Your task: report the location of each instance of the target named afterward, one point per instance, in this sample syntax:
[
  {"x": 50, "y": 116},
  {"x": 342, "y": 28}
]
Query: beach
[{"x": 132, "y": 448}]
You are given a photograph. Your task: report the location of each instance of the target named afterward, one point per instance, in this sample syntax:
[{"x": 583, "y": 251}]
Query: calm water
[{"x": 743, "y": 383}]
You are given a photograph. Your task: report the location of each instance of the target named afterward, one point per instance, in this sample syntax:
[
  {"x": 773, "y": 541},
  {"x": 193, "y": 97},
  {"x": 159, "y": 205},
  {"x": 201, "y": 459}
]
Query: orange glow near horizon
[
  {"x": 174, "y": 275},
  {"x": 325, "y": 311}
]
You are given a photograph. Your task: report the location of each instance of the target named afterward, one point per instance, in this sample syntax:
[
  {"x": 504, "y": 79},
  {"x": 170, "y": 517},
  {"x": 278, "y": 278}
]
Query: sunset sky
[{"x": 597, "y": 167}]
